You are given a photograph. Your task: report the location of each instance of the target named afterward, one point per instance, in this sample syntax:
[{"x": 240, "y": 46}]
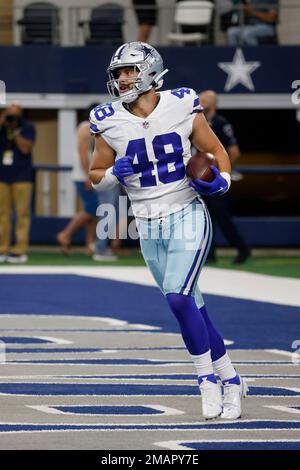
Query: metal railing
[{"x": 67, "y": 25}]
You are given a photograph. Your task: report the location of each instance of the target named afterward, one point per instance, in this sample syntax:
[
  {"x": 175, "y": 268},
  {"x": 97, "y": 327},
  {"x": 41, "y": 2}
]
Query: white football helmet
[{"x": 147, "y": 62}]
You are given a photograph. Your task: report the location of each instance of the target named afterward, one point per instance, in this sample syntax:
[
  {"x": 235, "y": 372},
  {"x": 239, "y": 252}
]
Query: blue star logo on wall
[{"x": 239, "y": 71}]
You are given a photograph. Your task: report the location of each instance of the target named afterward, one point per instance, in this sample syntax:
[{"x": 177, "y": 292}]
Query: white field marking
[
  {"x": 52, "y": 431},
  {"x": 161, "y": 382},
  {"x": 137, "y": 427},
  {"x": 169, "y": 364},
  {"x": 139, "y": 326},
  {"x": 294, "y": 356},
  {"x": 116, "y": 396},
  {"x": 47, "y": 409},
  {"x": 265, "y": 377},
  {"x": 285, "y": 409},
  {"x": 205, "y": 423},
  {"x": 264, "y": 364},
  {"x": 177, "y": 395},
  {"x": 225, "y": 282},
  {"x": 129, "y": 377},
  {"x": 110, "y": 321},
  {"x": 177, "y": 445},
  {"x": 281, "y": 352},
  {"x": 166, "y": 411},
  {"x": 53, "y": 340},
  {"x": 55, "y": 353},
  {"x": 51, "y": 364},
  {"x": 178, "y": 362},
  {"x": 107, "y": 351},
  {"x": 135, "y": 381}
]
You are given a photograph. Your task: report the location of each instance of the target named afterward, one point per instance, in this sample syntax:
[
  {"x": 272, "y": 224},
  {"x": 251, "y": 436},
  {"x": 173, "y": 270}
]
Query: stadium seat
[
  {"x": 104, "y": 26},
  {"x": 40, "y": 24},
  {"x": 192, "y": 14}
]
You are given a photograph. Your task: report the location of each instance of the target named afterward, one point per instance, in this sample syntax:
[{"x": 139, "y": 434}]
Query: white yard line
[
  {"x": 225, "y": 282},
  {"x": 285, "y": 409}
]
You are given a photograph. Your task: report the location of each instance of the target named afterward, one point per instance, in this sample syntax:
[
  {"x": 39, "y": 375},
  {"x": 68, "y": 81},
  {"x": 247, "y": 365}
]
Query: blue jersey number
[
  {"x": 104, "y": 110},
  {"x": 180, "y": 92},
  {"x": 169, "y": 153}
]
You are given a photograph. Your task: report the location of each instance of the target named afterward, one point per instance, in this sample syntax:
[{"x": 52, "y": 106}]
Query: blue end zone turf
[
  {"x": 124, "y": 389},
  {"x": 242, "y": 445},
  {"x": 23, "y": 340},
  {"x": 116, "y": 361},
  {"x": 249, "y": 323},
  {"x": 251, "y": 425},
  {"x": 109, "y": 410}
]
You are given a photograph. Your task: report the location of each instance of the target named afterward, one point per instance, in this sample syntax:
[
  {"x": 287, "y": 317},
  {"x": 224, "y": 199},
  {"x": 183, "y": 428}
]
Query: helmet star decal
[{"x": 146, "y": 50}]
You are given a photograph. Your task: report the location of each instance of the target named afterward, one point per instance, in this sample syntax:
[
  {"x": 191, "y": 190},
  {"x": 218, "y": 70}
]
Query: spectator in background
[
  {"x": 218, "y": 206},
  {"x": 87, "y": 217},
  {"x": 228, "y": 13},
  {"x": 260, "y": 21},
  {"x": 17, "y": 137},
  {"x": 146, "y": 17}
]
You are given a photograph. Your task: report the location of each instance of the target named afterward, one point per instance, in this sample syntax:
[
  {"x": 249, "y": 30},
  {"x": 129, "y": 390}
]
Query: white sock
[
  {"x": 224, "y": 368},
  {"x": 203, "y": 364}
]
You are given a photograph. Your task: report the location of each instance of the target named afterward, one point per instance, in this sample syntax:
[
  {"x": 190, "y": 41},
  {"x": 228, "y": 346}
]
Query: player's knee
[
  {"x": 175, "y": 301},
  {"x": 179, "y": 303}
]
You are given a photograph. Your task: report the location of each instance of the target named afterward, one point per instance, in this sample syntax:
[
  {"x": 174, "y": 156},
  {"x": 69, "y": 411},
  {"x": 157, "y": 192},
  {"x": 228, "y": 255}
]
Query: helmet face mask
[{"x": 145, "y": 60}]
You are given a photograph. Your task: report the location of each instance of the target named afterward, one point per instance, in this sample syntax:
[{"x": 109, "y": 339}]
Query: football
[{"x": 198, "y": 166}]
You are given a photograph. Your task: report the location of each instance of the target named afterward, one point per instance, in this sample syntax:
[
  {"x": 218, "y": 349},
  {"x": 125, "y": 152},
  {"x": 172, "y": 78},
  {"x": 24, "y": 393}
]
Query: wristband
[
  {"x": 107, "y": 182},
  {"x": 226, "y": 177}
]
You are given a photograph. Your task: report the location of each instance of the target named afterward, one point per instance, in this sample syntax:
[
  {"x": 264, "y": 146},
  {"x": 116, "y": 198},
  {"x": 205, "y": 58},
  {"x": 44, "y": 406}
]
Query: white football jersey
[{"x": 159, "y": 146}]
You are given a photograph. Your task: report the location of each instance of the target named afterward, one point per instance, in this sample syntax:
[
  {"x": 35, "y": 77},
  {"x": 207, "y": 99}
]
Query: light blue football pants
[{"x": 175, "y": 248}]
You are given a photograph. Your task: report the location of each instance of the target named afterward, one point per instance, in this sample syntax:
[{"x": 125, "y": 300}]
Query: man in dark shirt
[
  {"x": 16, "y": 176},
  {"x": 146, "y": 15},
  {"x": 218, "y": 206},
  {"x": 260, "y": 17}
]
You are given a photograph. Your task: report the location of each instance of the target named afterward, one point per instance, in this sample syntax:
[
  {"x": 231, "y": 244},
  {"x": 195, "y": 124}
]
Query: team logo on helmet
[{"x": 146, "y": 50}]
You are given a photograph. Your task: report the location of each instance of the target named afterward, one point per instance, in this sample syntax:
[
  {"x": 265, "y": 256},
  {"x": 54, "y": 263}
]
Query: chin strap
[{"x": 159, "y": 82}]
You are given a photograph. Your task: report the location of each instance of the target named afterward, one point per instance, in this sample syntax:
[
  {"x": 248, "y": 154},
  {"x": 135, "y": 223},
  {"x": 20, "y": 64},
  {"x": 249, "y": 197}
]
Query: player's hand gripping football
[
  {"x": 122, "y": 168},
  {"x": 219, "y": 185}
]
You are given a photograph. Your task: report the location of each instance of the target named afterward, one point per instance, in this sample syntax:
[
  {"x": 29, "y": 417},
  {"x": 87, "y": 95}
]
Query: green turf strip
[{"x": 288, "y": 266}]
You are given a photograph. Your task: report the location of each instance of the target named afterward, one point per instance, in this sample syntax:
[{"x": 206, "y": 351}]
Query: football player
[{"x": 143, "y": 141}]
